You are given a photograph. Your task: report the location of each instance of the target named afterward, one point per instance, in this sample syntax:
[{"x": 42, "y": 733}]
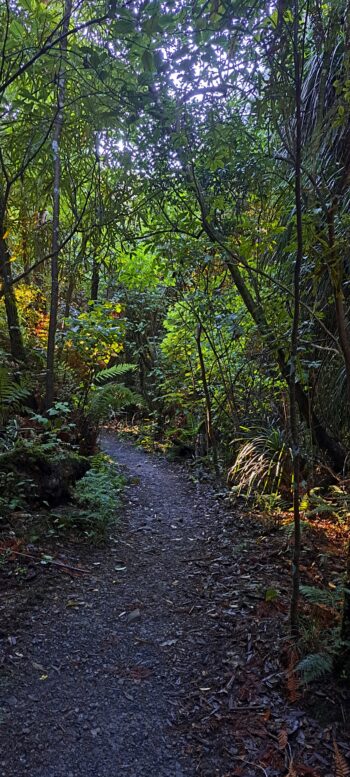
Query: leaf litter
[{"x": 182, "y": 668}]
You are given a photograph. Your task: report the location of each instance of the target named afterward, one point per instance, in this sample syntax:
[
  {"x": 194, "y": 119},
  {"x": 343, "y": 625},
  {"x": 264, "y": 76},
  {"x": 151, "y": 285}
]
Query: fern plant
[
  {"x": 335, "y": 503},
  {"x": 12, "y": 395},
  {"x": 111, "y": 398},
  {"x": 108, "y": 395},
  {"x": 317, "y": 664},
  {"x": 113, "y": 373},
  {"x": 314, "y": 666}
]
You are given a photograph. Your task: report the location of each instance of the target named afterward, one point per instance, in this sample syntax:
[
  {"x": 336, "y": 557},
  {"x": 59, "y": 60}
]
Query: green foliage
[
  {"x": 12, "y": 395},
  {"x": 111, "y": 398},
  {"x": 330, "y": 597},
  {"x": 111, "y": 373},
  {"x": 95, "y": 335},
  {"x": 97, "y": 497},
  {"x": 262, "y": 463},
  {"x": 314, "y": 666},
  {"x": 324, "y": 635},
  {"x": 14, "y": 492},
  {"x": 335, "y": 503}
]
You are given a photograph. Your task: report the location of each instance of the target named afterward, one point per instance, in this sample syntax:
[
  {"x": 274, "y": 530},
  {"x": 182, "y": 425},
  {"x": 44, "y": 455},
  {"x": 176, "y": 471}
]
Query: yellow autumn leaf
[{"x": 6, "y": 234}]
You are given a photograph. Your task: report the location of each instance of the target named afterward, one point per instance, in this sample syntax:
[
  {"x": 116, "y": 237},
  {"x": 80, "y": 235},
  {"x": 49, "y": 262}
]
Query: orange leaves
[{"x": 11, "y": 547}]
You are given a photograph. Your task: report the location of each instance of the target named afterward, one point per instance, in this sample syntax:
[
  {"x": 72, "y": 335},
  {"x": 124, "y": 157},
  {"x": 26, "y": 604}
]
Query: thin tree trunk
[
  {"x": 294, "y": 604},
  {"x": 13, "y": 322},
  {"x": 335, "y": 274},
  {"x": 58, "y": 126},
  {"x": 321, "y": 437},
  {"x": 69, "y": 295},
  {"x": 95, "y": 279},
  {"x": 208, "y": 409}
]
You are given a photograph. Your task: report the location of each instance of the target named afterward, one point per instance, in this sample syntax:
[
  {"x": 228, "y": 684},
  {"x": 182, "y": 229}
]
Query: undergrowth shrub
[
  {"x": 319, "y": 631},
  {"x": 96, "y": 498},
  {"x": 262, "y": 465}
]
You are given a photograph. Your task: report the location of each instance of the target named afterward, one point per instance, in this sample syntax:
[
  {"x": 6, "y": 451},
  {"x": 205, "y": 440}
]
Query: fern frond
[
  {"x": 288, "y": 528},
  {"x": 314, "y": 666},
  {"x": 12, "y": 394},
  {"x": 282, "y": 739},
  {"x": 112, "y": 397},
  {"x": 322, "y": 595},
  {"x": 112, "y": 373},
  {"x": 342, "y": 768}
]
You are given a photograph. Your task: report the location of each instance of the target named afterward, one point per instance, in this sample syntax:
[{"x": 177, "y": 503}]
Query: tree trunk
[
  {"x": 332, "y": 447},
  {"x": 208, "y": 409},
  {"x": 15, "y": 334},
  {"x": 58, "y": 126},
  {"x": 95, "y": 279},
  {"x": 69, "y": 295},
  {"x": 335, "y": 274},
  {"x": 294, "y": 428}
]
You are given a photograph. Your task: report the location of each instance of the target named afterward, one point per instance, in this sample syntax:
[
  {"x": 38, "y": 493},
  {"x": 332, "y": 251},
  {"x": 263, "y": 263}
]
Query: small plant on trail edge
[
  {"x": 262, "y": 465},
  {"x": 96, "y": 499},
  {"x": 320, "y": 632}
]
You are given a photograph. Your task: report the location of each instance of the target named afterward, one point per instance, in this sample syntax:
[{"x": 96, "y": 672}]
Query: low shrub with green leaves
[{"x": 96, "y": 498}]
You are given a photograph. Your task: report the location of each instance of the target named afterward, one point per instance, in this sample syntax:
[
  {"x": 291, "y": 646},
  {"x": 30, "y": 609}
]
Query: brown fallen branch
[{"x": 47, "y": 561}]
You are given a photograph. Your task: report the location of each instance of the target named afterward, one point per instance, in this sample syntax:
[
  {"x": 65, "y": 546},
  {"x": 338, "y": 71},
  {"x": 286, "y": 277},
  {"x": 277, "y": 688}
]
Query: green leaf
[
  {"x": 148, "y": 61},
  {"x": 152, "y": 25},
  {"x": 123, "y": 27},
  {"x": 271, "y": 594}
]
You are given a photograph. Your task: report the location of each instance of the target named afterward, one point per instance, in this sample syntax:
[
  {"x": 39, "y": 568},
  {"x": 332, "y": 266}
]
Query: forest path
[
  {"x": 101, "y": 662},
  {"x": 164, "y": 660}
]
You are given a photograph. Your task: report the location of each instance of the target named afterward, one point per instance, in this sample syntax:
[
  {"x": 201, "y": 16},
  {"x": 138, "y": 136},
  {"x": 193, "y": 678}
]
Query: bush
[
  {"x": 39, "y": 473},
  {"x": 262, "y": 465},
  {"x": 97, "y": 498}
]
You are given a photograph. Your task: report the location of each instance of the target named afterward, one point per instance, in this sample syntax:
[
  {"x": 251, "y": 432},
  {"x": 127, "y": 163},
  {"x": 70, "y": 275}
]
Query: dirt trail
[
  {"x": 98, "y": 664},
  {"x": 165, "y": 659}
]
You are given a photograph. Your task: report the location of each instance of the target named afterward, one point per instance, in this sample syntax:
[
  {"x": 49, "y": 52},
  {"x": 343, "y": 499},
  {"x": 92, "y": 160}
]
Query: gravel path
[{"x": 98, "y": 664}]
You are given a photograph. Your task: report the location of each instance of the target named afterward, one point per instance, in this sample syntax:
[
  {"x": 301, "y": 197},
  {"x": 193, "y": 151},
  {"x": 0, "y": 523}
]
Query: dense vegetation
[{"x": 174, "y": 229}]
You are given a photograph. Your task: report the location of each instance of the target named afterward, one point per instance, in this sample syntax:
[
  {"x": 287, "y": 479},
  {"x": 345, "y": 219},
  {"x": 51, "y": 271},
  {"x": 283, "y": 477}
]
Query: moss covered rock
[{"x": 44, "y": 473}]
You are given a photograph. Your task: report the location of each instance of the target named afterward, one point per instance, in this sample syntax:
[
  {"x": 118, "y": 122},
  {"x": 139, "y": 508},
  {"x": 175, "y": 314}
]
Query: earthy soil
[{"x": 162, "y": 659}]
